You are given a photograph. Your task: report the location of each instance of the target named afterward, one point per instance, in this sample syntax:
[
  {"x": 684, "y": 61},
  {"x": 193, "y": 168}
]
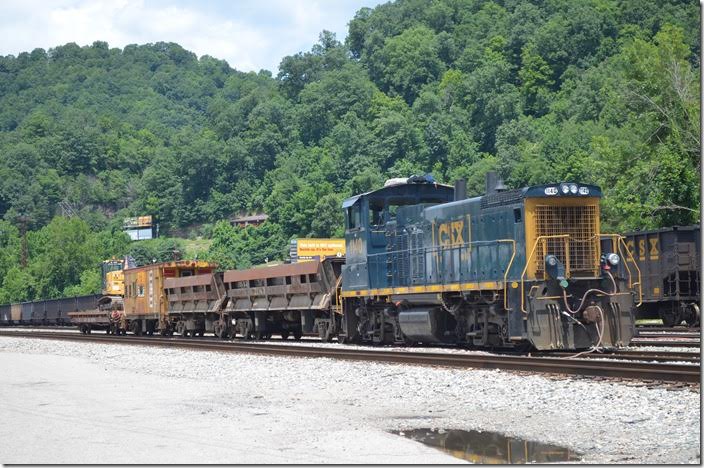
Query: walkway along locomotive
[{"x": 512, "y": 268}]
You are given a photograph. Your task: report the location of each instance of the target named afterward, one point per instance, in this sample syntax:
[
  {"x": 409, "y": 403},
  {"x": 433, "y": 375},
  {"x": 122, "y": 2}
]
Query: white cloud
[{"x": 249, "y": 34}]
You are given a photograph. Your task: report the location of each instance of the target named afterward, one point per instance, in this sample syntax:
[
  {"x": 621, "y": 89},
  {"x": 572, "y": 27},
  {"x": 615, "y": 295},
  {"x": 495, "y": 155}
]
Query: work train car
[
  {"x": 512, "y": 268},
  {"x": 193, "y": 304},
  {"x": 145, "y": 304},
  {"x": 285, "y": 300},
  {"x": 669, "y": 263}
]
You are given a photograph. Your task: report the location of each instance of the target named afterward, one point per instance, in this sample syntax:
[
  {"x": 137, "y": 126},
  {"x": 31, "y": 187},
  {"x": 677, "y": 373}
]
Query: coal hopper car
[{"x": 669, "y": 260}]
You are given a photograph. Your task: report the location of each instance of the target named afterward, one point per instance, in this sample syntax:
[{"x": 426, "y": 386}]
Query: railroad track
[
  {"x": 549, "y": 365},
  {"x": 634, "y": 355},
  {"x": 667, "y": 341},
  {"x": 681, "y": 329},
  {"x": 674, "y": 335}
]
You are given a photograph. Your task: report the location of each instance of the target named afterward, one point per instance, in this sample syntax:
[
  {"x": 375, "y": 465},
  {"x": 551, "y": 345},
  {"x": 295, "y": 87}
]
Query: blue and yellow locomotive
[{"x": 512, "y": 268}]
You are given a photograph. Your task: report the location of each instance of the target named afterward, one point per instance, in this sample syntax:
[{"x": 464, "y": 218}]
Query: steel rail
[
  {"x": 554, "y": 365},
  {"x": 649, "y": 341},
  {"x": 655, "y": 356},
  {"x": 678, "y": 335},
  {"x": 649, "y": 328}
]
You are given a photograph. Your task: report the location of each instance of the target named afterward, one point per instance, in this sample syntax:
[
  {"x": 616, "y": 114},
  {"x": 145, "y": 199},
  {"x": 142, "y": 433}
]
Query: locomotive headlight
[
  {"x": 613, "y": 259},
  {"x": 565, "y": 189},
  {"x": 573, "y": 189},
  {"x": 551, "y": 260}
]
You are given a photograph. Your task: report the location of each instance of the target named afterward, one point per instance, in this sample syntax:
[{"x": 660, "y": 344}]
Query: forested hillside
[{"x": 602, "y": 91}]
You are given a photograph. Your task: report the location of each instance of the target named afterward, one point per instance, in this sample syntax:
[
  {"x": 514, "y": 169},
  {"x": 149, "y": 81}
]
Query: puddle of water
[{"x": 490, "y": 447}]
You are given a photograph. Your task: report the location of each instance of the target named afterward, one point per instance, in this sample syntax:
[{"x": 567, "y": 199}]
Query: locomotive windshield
[{"x": 375, "y": 209}]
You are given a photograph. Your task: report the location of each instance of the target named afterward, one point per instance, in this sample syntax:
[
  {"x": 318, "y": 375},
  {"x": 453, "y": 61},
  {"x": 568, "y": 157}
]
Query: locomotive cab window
[
  {"x": 375, "y": 216},
  {"x": 517, "y": 215},
  {"x": 354, "y": 217}
]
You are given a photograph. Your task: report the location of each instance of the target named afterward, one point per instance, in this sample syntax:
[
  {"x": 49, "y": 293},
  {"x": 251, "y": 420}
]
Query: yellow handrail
[
  {"x": 338, "y": 295},
  {"x": 617, "y": 240},
  {"x": 530, "y": 257},
  {"x": 508, "y": 268},
  {"x": 630, "y": 282}
]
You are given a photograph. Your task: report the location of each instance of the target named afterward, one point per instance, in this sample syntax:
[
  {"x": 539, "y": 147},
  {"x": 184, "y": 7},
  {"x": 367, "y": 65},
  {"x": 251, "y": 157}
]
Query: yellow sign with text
[{"x": 308, "y": 249}]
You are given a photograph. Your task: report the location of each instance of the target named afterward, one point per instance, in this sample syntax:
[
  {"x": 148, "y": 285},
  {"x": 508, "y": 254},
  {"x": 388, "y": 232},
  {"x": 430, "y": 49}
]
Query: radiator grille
[{"x": 580, "y": 223}]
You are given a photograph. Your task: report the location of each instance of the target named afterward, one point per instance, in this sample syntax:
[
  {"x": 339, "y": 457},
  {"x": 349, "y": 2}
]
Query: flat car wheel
[
  {"x": 284, "y": 335},
  {"x": 297, "y": 334}
]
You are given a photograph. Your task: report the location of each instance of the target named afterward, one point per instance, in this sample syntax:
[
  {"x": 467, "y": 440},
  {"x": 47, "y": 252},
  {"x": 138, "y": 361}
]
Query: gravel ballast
[{"x": 65, "y": 402}]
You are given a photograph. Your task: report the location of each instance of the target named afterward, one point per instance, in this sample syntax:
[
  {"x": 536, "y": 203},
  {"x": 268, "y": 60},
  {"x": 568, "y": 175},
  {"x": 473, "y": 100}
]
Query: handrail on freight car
[
  {"x": 338, "y": 295},
  {"x": 617, "y": 241}
]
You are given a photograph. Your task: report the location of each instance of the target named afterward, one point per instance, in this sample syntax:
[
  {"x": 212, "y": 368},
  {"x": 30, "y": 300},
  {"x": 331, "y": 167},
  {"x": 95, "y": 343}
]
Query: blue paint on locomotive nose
[{"x": 490, "y": 447}]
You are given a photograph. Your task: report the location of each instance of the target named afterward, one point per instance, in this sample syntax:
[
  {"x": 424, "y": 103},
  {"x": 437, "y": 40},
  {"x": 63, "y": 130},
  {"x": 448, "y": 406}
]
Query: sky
[{"x": 250, "y": 34}]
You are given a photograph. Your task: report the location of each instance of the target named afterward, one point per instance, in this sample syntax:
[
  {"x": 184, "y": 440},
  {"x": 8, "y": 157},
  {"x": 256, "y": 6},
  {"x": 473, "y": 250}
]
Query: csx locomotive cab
[{"x": 511, "y": 268}]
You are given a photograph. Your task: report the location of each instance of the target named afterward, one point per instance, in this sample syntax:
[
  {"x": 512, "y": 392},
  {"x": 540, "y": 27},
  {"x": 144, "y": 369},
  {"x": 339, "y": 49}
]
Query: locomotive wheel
[
  {"x": 693, "y": 317},
  {"x": 329, "y": 335},
  {"x": 670, "y": 318},
  {"x": 323, "y": 332},
  {"x": 284, "y": 335}
]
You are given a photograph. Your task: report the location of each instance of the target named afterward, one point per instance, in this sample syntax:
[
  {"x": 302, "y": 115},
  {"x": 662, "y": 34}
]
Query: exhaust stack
[{"x": 460, "y": 189}]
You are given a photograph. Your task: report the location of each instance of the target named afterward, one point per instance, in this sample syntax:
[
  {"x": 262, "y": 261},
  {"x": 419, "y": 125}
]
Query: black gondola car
[
  {"x": 39, "y": 313},
  {"x": 53, "y": 310},
  {"x": 669, "y": 264},
  {"x": 5, "y": 314},
  {"x": 26, "y": 313}
]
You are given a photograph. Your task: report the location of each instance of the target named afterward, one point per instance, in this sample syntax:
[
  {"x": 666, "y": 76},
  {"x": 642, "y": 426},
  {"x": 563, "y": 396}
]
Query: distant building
[
  {"x": 141, "y": 227},
  {"x": 253, "y": 220}
]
